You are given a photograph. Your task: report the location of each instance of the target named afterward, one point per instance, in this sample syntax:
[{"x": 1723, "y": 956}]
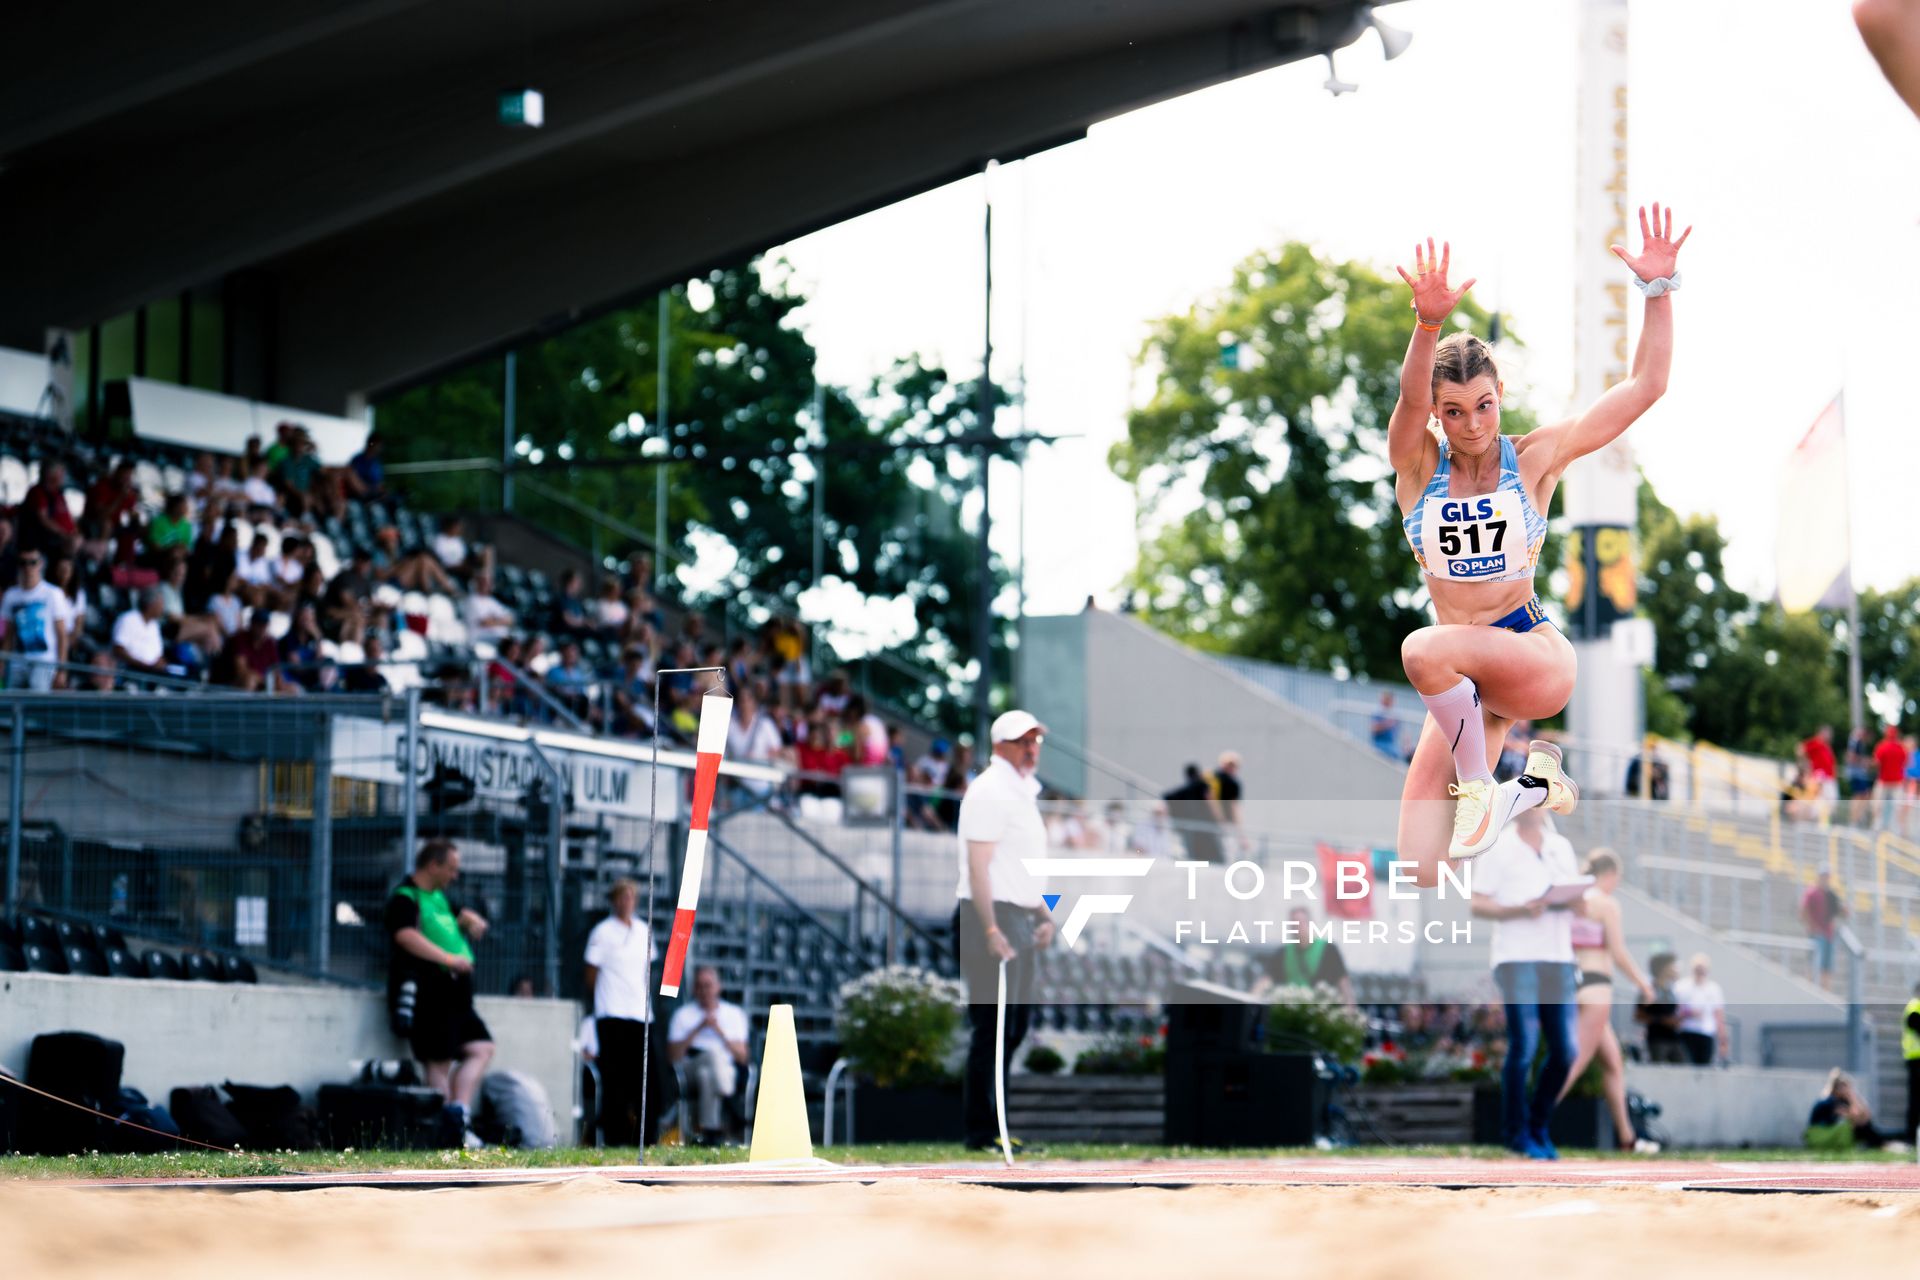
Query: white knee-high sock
[{"x": 1457, "y": 712}]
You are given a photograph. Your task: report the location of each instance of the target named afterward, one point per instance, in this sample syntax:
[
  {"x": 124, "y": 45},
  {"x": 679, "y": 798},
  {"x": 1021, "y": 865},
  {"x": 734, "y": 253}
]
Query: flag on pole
[
  {"x": 1813, "y": 555},
  {"x": 716, "y": 713}
]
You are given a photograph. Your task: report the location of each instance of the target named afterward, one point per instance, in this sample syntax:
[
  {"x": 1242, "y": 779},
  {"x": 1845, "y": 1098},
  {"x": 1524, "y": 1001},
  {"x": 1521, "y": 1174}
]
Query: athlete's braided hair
[{"x": 1461, "y": 358}]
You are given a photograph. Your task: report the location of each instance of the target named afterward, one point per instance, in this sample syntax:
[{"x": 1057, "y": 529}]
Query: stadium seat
[
  {"x": 123, "y": 964},
  {"x": 70, "y": 934},
  {"x": 161, "y": 965},
  {"x": 84, "y": 961},
  {"x": 198, "y": 968},
  {"x": 106, "y": 938},
  {"x": 11, "y": 961},
  {"x": 37, "y": 931},
  {"x": 41, "y": 959},
  {"x": 9, "y": 930},
  {"x": 238, "y": 969}
]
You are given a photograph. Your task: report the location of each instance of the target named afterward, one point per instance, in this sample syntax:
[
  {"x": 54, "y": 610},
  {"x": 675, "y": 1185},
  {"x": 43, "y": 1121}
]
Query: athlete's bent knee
[{"x": 1419, "y": 657}]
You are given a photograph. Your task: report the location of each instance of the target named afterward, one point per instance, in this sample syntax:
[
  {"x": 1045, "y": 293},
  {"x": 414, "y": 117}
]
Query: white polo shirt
[
  {"x": 621, "y": 953},
  {"x": 731, "y": 1017},
  {"x": 1001, "y": 808},
  {"x": 1512, "y": 872}
]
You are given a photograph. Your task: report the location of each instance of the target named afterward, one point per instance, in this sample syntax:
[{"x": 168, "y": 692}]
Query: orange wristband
[{"x": 1430, "y": 328}]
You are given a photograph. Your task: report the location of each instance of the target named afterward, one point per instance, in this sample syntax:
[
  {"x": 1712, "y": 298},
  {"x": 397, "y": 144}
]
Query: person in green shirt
[
  {"x": 1306, "y": 961},
  {"x": 172, "y": 528},
  {"x": 433, "y": 938}
]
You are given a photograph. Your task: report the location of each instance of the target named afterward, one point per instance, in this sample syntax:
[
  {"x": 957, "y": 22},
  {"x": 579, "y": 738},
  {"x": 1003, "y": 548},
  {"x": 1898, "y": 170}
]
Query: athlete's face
[{"x": 1469, "y": 413}]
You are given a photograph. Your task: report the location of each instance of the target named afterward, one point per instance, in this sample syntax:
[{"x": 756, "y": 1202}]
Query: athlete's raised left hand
[{"x": 1660, "y": 252}]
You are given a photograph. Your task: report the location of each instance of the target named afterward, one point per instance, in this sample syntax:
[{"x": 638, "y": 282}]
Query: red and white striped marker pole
[{"x": 716, "y": 713}]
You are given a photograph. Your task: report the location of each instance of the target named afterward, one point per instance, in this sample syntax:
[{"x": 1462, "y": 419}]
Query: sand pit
[{"x": 590, "y": 1225}]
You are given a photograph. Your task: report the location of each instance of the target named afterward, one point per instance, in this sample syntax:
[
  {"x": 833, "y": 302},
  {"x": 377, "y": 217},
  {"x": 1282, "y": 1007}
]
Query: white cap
[{"x": 1015, "y": 724}]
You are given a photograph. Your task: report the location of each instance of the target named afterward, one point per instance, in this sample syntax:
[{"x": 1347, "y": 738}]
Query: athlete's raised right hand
[{"x": 1433, "y": 301}]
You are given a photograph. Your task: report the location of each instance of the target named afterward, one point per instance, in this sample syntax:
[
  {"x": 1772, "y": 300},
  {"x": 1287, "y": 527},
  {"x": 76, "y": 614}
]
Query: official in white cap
[{"x": 1001, "y": 915}]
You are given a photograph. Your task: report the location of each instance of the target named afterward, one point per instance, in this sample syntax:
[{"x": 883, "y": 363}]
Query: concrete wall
[
  {"x": 188, "y": 1033},
  {"x": 1730, "y": 1107},
  {"x": 1153, "y": 706}
]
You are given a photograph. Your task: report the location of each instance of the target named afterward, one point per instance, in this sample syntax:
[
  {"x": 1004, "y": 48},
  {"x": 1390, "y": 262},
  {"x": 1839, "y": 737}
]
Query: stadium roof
[{"x": 344, "y": 160}]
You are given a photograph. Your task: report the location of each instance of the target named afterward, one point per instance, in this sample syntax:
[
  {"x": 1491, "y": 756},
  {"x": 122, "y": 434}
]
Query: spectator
[
  {"x": 1910, "y": 1050},
  {"x": 414, "y": 570},
  {"x": 200, "y": 630},
  {"x": 571, "y": 680},
  {"x": 137, "y": 642},
  {"x": 1306, "y": 961},
  {"x": 365, "y": 676},
  {"x": 571, "y": 614},
  {"x": 300, "y": 649},
  {"x": 368, "y": 472},
  {"x": 252, "y": 658},
  {"x": 199, "y": 484},
  {"x": 1890, "y": 767},
  {"x": 1191, "y": 806},
  {"x": 173, "y": 529},
  {"x": 488, "y": 621},
  {"x": 450, "y": 546},
  {"x": 64, "y": 574},
  {"x": 1661, "y": 1015},
  {"x": 111, "y": 504},
  {"x": 821, "y": 758},
  {"x": 752, "y": 738},
  {"x": 1385, "y": 730},
  {"x": 833, "y": 696},
  {"x": 619, "y": 955},
  {"x": 959, "y": 778},
  {"x": 1910, "y": 786},
  {"x": 1842, "y": 1104},
  {"x": 936, "y": 762},
  {"x": 1821, "y": 909},
  {"x": 610, "y": 612},
  {"x": 1648, "y": 770},
  {"x": 258, "y": 489},
  {"x": 637, "y": 573},
  {"x": 101, "y": 675},
  {"x": 1533, "y": 967},
  {"x": 1226, "y": 799},
  {"x": 35, "y": 612},
  {"x": 1800, "y": 795},
  {"x": 343, "y": 605},
  {"x": 1859, "y": 776},
  {"x": 633, "y": 693},
  {"x": 9, "y": 552},
  {"x": 1822, "y": 770},
  {"x": 869, "y": 733},
  {"x": 714, "y": 1033},
  {"x": 259, "y": 570},
  {"x": 46, "y": 522},
  {"x": 792, "y": 675},
  {"x": 1703, "y": 1014},
  {"x": 433, "y": 936}
]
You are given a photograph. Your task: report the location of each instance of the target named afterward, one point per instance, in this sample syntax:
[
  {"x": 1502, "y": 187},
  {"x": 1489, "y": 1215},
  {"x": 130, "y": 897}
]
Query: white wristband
[{"x": 1659, "y": 285}]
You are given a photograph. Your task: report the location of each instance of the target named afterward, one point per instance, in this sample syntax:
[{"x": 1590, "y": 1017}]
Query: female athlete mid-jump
[{"x": 1473, "y": 503}]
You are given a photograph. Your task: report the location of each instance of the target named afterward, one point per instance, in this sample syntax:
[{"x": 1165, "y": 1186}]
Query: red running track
[{"x": 1041, "y": 1174}]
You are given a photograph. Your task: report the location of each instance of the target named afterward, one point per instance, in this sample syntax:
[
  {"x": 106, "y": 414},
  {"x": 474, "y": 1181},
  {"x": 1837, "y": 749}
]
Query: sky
[{"x": 1777, "y": 140}]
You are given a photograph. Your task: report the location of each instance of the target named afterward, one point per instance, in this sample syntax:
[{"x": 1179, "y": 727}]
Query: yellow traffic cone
[{"x": 780, "y": 1115}]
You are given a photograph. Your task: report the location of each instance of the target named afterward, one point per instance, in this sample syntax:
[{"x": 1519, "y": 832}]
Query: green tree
[
  {"x": 1733, "y": 671},
  {"x": 741, "y": 390},
  {"x": 1261, "y": 455}
]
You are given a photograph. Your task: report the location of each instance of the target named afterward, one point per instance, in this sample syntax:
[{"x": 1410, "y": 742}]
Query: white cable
[{"x": 1000, "y": 1065}]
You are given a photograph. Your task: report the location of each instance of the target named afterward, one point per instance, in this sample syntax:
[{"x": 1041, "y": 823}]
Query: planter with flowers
[{"x": 899, "y": 1026}]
